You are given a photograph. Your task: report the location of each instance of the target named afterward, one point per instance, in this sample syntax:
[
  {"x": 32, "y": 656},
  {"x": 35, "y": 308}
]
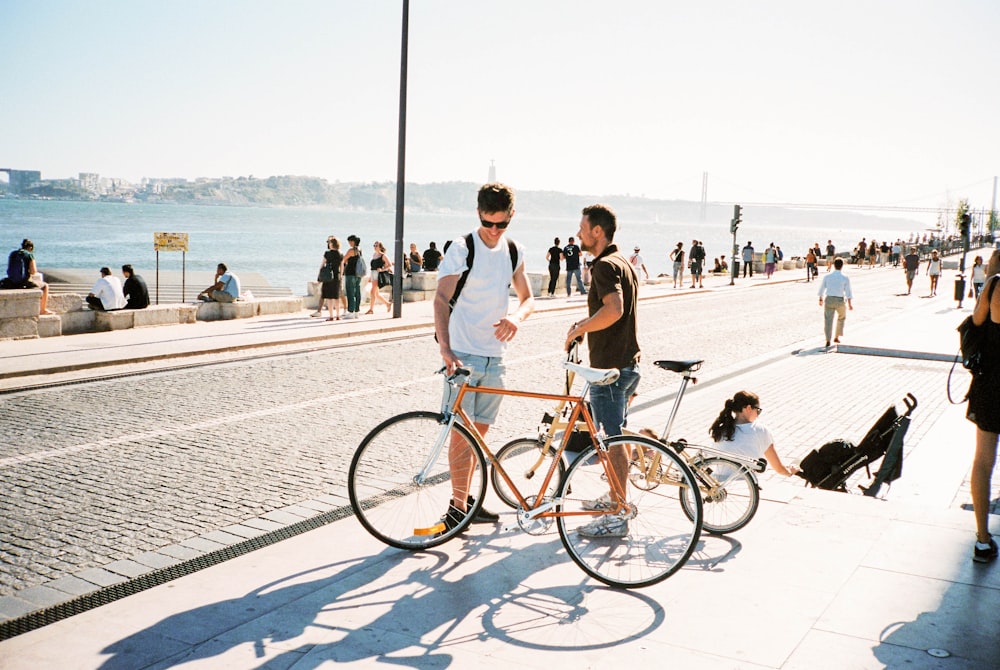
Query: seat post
[{"x": 685, "y": 378}]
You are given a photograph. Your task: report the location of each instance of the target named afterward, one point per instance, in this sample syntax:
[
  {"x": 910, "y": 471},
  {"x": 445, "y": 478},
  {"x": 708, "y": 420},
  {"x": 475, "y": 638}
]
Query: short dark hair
[
  {"x": 222, "y": 266},
  {"x": 839, "y": 263},
  {"x": 105, "y": 271},
  {"x": 495, "y": 197},
  {"x": 127, "y": 268},
  {"x": 603, "y": 217},
  {"x": 433, "y": 245},
  {"x": 27, "y": 244}
]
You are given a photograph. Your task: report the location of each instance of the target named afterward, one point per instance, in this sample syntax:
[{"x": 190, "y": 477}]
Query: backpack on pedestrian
[{"x": 17, "y": 270}]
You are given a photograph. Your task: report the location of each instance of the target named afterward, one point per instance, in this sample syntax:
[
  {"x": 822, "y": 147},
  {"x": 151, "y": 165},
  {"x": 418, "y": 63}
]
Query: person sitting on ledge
[
  {"x": 225, "y": 289},
  {"x": 23, "y": 274},
  {"x": 107, "y": 293},
  {"x": 135, "y": 290}
]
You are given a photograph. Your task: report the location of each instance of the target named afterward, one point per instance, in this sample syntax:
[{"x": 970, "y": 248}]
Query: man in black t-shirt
[
  {"x": 432, "y": 258},
  {"x": 571, "y": 253},
  {"x": 553, "y": 255},
  {"x": 613, "y": 343}
]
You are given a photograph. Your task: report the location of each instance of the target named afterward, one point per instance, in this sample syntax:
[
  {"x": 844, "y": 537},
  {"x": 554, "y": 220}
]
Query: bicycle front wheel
[
  {"x": 525, "y": 463},
  {"x": 650, "y": 540},
  {"x": 729, "y": 495},
  {"x": 400, "y": 480}
]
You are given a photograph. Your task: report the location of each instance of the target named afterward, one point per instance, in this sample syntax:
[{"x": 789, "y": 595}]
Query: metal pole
[
  {"x": 397, "y": 283},
  {"x": 157, "y": 276}
]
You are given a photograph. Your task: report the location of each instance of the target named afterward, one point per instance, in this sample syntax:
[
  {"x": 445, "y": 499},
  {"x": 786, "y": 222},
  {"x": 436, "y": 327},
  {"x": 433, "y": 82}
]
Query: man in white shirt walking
[{"x": 837, "y": 289}]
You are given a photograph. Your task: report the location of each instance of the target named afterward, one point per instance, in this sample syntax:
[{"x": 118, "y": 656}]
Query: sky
[{"x": 872, "y": 102}]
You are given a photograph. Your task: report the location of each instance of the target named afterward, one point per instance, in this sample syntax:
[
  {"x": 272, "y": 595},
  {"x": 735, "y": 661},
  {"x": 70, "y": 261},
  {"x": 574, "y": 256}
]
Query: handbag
[
  {"x": 971, "y": 339},
  {"x": 384, "y": 278},
  {"x": 325, "y": 273}
]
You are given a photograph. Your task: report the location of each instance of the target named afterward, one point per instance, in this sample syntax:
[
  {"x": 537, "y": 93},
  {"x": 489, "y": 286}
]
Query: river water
[{"x": 285, "y": 245}]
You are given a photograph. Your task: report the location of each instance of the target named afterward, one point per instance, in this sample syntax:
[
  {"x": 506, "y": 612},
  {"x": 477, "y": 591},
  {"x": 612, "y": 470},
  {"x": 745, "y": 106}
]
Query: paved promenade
[{"x": 816, "y": 580}]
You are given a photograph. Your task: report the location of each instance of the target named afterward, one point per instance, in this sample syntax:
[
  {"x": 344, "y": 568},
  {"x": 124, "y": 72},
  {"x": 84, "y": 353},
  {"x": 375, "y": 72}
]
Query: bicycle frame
[{"x": 539, "y": 508}]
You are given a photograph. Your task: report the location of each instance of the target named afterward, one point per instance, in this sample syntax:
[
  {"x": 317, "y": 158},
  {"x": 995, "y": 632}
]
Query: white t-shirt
[
  {"x": 485, "y": 299},
  {"x": 749, "y": 439},
  {"x": 636, "y": 261},
  {"x": 109, "y": 290}
]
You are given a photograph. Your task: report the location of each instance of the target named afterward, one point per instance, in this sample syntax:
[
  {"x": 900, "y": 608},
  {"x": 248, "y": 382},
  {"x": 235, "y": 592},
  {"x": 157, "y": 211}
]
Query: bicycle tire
[
  {"x": 382, "y": 481},
  {"x": 517, "y": 458},
  {"x": 661, "y": 537},
  {"x": 735, "y": 502}
]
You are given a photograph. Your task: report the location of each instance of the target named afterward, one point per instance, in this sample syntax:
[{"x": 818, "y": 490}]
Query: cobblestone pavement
[{"x": 103, "y": 471}]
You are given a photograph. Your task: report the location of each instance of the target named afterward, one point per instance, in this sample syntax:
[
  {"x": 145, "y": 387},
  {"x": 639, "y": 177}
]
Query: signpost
[{"x": 171, "y": 242}]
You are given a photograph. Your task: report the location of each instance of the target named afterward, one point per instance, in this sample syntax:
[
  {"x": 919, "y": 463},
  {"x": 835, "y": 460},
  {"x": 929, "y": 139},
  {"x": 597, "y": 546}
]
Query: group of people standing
[{"x": 343, "y": 274}]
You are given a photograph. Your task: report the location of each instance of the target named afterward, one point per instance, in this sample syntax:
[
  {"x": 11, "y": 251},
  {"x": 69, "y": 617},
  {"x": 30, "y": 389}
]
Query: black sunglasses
[
  {"x": 502, "y": 225},
  {"x": 760, "y": 410}
]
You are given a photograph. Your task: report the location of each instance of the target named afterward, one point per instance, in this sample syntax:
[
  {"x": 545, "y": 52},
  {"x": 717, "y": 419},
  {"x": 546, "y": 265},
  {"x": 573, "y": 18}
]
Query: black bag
[
  {"x": 971, "y": 339},
  {"x": 821, "y": 463},
  {"x": 384, "y": 278},
  {"x": 325, "y": 273}
]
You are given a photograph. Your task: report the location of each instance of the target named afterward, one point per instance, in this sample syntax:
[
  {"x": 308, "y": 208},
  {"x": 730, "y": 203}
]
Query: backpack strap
[{"x": 471, "y": 246}]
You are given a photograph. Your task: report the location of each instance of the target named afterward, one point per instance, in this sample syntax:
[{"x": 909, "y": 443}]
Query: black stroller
[{"x": 833, "y": 464}]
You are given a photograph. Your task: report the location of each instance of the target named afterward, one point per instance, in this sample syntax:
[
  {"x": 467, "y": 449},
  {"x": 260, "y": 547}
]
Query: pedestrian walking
[
  {"x": 831, "y": 253},
  {"x": 553, "y": 255},
  {"x": 934, "y": 271},
  {"x": 677, "y": 256},
  {"x": 748, "y": 259},
  {"x": 571, "y": 252},
  {"x": 911, "y": 264},
  {"x": 810, "y": 264},
  {"x": 637, "y": 264},
  {"x": 836, "y": 287},
  {"x": 697, "y": 263},
  {"x": 984, "y": 411}
]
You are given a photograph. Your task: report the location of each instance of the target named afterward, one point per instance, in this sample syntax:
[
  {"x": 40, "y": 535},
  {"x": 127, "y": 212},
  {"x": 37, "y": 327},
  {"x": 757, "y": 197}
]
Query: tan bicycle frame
[{"x": 580, "y": 411}]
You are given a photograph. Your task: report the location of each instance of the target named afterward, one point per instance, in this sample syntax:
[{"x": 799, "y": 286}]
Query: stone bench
[
  {"x": 19, "y": 313},
  {"x": 244, "y": 309}
]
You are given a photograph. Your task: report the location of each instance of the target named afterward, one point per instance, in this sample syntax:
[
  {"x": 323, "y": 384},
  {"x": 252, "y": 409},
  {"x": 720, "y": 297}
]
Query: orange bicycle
[{"x": 400, "y": 485}]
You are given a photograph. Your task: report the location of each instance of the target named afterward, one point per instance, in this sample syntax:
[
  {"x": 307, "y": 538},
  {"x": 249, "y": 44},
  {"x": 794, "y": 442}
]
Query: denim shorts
[
  {"x": 609, "y": 404},
  {"x": 486, "y": 371}
]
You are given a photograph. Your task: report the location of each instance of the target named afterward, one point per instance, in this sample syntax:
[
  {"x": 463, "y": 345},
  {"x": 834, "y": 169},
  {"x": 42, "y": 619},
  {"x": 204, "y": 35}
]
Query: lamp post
[{"x": 397, "y": 282}]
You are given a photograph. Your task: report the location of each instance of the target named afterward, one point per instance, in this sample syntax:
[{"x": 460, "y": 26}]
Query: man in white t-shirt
[
  {"x": 474, "y": 332},
  {"x": 107, "y": 292},
  {"x": 638, "y": 264}
]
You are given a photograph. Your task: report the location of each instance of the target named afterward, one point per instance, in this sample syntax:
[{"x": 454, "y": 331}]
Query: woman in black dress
[
  {"x": 332, "y": 259},
  {"x": 984, "y": 410}
]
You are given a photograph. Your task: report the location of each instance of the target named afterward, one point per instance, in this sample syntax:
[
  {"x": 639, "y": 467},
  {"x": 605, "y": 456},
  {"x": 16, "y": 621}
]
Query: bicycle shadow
[
  {"x": 412, "y": 609},
  {"x": 712, "y": 551}
]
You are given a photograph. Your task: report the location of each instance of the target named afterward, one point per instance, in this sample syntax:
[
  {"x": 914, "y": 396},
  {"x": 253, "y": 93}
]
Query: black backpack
[
  {"x": 470, "y": 244},
  {"x": 17, "y": 267}
]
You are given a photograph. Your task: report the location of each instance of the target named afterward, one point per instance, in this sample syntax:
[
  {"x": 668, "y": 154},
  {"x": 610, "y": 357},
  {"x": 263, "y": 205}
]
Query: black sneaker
[
  {"x": 985, "y": 554},
  {"x": 452, "y": 518},
  {"x": 483, "y": 515}
]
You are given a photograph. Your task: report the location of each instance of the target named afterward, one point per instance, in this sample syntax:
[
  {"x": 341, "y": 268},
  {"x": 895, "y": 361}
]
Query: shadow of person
[{"x": 409, "y": 609}]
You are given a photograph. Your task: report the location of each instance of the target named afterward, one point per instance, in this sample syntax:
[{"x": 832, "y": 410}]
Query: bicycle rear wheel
[
  {"x": 729, "y": 505},
  {"x": 658, "y": 537},
  {"x": 524, "y": 463},
  {"x": 400, "y": 483}
]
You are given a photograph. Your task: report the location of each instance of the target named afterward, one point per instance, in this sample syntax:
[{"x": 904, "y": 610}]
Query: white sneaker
[
  {"x": 317, "y": 313},
  {"x": 607, "y": 526},
  {"x": 602, "y": 504}
]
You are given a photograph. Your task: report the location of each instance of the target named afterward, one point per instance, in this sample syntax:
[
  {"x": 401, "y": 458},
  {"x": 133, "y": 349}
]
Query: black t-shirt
[
  {"x": 617, "y": 346},
  {"x": 554, "y": 256},
  {"x": 572, "y": 254},
  {"x": 136, "y": 292},
  {"x": 432, "y": 258}
]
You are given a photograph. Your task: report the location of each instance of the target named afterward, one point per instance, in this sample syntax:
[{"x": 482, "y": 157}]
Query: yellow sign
[{"x": 170, "y": 241}]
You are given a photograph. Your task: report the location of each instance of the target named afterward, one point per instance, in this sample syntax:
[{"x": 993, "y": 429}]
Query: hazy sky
[{"x": 872, "y": 102}]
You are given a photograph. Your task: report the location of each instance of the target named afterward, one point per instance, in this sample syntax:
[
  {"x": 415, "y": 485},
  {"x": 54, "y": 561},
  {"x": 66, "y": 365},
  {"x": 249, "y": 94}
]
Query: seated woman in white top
[{"x": 738, "y": 430}]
